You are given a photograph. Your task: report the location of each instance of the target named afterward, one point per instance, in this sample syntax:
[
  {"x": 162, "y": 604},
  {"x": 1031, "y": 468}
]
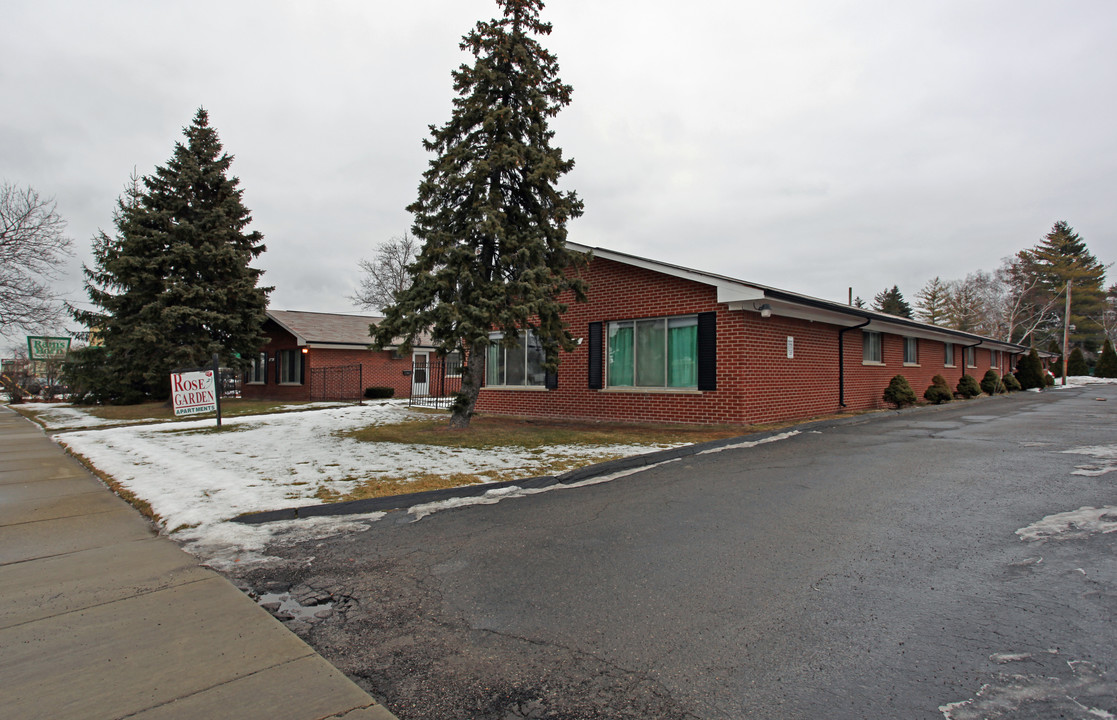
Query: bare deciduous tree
[
  {"x": 32, "y": 247},
  {"x": 386, "y": 273}
]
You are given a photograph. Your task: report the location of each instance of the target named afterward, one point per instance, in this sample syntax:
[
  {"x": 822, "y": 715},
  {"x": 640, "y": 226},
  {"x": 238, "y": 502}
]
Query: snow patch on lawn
[
  {"x": 1078, "y": 523},
  {"x": 196, "y": 479},
  {"x": 54, "y": 417},
  {"x": 1107, "y": 454},
  {"x": 1074, "y": 381}
]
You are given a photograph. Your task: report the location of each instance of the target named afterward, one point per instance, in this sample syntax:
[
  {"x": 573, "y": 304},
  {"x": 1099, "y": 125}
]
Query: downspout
[
  {"x": 966, "y": 367},
  {"x": 842, "y": 360}
]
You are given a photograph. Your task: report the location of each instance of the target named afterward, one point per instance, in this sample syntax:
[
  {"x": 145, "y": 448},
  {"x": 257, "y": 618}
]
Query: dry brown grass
[
  {"x": 143, "y": 506},
  {"x": 492, "y": 432}
]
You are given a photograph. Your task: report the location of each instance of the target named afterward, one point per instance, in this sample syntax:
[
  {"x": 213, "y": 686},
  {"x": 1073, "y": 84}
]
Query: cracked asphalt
[{"x": 868, "y": 570}]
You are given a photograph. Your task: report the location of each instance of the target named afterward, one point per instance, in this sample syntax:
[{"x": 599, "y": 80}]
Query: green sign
[{"x": 47, "y": 348}]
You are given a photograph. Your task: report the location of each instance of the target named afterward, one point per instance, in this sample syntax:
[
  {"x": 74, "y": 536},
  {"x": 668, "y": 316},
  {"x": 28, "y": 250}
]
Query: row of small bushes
[{"x": 899, "y": 392}]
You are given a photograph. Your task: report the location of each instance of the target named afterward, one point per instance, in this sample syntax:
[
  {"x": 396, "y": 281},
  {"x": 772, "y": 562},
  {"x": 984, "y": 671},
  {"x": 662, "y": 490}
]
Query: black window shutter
[
  {"x": 550, "y": 380},
  {"x": 597, "y": 380},
  {"x": 708, "y": 351},
  {"x": 302, "y": 367}
]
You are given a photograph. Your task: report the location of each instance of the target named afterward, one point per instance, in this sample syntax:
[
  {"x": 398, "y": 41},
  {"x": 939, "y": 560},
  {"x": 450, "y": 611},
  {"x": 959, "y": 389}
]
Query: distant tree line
[{"x": 1024, "y": 300}]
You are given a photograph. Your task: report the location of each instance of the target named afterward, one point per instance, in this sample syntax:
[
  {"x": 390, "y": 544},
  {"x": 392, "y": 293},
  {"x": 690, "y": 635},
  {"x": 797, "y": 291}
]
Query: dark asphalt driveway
[{"x": 868, "y": 570}]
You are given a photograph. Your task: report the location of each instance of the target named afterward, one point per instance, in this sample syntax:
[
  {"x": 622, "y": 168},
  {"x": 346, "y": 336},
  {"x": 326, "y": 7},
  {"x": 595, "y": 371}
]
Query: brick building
[
  {"x": 663, "y": 343},
  {"x": 326, "y": 356}
]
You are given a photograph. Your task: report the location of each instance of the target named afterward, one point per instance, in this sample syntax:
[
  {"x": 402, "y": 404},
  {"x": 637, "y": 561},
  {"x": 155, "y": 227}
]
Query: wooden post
[{"x": 1066, "y": 335}]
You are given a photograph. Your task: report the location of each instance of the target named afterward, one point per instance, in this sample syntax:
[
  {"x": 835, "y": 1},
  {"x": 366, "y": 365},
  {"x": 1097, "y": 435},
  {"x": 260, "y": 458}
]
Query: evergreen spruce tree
[
  {"x": 1057, "y": 364},
  {"x": 1076, "y": 364},
  {"x": 1107, "y": 363},
  {"x": 173, "y": 286},
  {"x": 489, "y": 214},
  {"x": 892, "y": 302},
  {"x": 1029, "y": 371},
  {"x": 1062, "y": 257}
]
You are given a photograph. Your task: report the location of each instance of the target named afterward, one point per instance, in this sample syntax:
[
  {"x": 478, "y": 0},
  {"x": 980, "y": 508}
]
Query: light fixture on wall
[
  {"x": 765, "y": 310},
  {"x": 306, "y": 350}
]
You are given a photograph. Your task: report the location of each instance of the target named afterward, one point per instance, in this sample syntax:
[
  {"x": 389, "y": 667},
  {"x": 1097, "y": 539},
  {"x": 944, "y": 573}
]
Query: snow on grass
[
  {"x": 1106, "y": 454},
  {"x": 1075, "y": 381},
  {"x": 1078, "y": 523},
  {"x": 196, "y": 478},
  {"x": 56, "y": 416}
]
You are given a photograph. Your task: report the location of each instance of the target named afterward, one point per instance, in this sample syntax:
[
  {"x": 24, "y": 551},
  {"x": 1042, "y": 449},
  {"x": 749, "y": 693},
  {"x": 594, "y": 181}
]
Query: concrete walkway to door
[{"x": 101, "y": 618}]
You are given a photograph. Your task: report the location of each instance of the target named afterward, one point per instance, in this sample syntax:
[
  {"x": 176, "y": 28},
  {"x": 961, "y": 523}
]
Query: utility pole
[{"x": 1066, "y": 335}]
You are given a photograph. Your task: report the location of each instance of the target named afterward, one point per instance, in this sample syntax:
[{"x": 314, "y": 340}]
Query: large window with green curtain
[
  {"x": 516, "y": 365},
  {"x": 656, "y": 352}
]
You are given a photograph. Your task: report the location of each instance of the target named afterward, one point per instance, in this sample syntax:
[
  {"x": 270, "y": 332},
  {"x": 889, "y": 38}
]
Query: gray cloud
[{"x": 813, "y": 145}]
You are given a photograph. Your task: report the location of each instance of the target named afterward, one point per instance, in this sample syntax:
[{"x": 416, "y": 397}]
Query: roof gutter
[{"x": 842, "y": 360}]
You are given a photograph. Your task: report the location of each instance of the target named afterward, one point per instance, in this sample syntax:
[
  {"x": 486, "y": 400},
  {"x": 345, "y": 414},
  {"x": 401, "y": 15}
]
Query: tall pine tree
[
  {"x": 892, "y": 302},
  {"x": 1062, "y": 257},
  {"x": 489, "y": 214},
  {"x": 173, "y": 286},
  {"x": 931, "y": 301}
]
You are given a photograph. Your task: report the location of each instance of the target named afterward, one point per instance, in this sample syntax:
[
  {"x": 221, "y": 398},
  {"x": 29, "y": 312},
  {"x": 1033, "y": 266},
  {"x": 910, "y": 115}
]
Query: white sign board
[{"x": 193, "y": 393}]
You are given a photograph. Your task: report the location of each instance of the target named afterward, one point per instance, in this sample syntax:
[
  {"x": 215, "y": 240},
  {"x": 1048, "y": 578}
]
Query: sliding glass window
[{"x": 659, "y": 352}]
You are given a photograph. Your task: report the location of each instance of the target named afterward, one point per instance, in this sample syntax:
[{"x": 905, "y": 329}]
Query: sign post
[{"x": 195, "y": 391}]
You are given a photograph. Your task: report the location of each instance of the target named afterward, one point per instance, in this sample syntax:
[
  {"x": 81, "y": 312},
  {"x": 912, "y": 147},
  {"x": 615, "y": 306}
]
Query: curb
[{"x": 404, "y": 502}]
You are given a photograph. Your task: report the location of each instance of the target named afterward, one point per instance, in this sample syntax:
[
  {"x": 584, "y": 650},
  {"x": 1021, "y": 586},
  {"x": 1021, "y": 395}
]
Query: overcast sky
[{"x": 811, "y": 145}]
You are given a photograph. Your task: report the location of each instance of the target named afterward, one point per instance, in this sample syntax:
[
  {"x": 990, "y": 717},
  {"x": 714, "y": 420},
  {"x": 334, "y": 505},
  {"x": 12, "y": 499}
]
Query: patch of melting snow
[
  {"x": 1106, "y": 454},
  {"x": 1009, "y": 696},
  {"x": 750, "y": 443},
  {"x": 497, "y": 494},
  {"x": 1078, "y": 523}
]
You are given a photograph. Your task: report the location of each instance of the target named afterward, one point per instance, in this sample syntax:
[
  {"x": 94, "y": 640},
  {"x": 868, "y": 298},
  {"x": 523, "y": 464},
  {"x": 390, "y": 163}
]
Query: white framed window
[
  {"x": 971, "y": 357},
  {"x": 520, "y": 365},
  {"x": 871, "y": 351},
  {"x": 258, "y": 372},
  {"x": 290, "y": 367},
  {"x": 994, "y": 358},
  {"x": 653, "y": 353},
  {"x": 911, "y": 351},
  {"x": 948, "y": 354}
]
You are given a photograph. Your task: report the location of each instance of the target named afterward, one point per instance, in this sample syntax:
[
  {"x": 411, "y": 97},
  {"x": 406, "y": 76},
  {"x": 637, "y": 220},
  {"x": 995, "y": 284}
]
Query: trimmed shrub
[
  {"x": 1107, "y": 363},
  {"x": 378, "y": 393},
  {"x": 899, "y": 392},
  {"x": 1011, "y": 383},
  {"x": 1029, "y": 371},
  {"x": 991, "y": 383},
  {"x": 1076, "y": 363},
  {"x": 939, "y": 392},
  {"x": 968, "y": 387},
  {"x": 1048, "y": 380}
]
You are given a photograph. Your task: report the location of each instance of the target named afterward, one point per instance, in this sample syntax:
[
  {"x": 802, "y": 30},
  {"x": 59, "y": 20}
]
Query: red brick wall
[
  {"x": 377, "y": 368},
  {"x": 756, "y": 380}
]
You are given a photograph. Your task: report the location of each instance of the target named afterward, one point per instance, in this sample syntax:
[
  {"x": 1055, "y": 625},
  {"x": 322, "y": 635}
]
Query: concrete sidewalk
[{"x": 100, "y": 618}]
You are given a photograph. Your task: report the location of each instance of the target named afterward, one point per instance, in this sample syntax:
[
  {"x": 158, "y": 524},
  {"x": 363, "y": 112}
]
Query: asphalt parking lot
[{"x": 864, "y": 570}]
